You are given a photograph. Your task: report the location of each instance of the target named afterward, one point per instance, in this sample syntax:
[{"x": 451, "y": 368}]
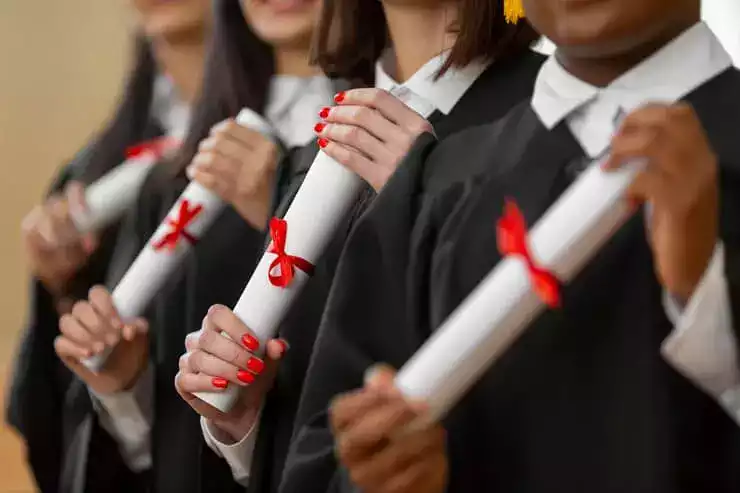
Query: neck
[
  {"x": 600, "y": 70},
  {"x": 418, "y": 34},
  {"x": 183, "y": 60},
  {"x": 294, "y": 62}
]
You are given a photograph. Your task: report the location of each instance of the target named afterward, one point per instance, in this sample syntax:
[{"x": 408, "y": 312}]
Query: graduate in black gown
[
  {"x": 66, "y": 264},
  {"x": 258, "y": 60},
  {"x": 620, "y": 389},
  {"x": 377, "y": 128}
]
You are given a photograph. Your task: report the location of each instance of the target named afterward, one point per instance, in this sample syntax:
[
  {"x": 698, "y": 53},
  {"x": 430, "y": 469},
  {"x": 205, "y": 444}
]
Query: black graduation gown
[
  {"x": 215, "y": 272},
  {"x": 40, "y": 386},
  {"x": 583, "y": 401},
  {"x": 499, "y": 88}
]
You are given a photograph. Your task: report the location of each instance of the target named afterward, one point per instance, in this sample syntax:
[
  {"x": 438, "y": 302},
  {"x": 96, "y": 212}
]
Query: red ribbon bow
[
  {"x": 511, "y": 233},
  {"x": 155, "y": 147},
  {"x": 287, "y": 263},
  {"x": 185, "y": 216}
]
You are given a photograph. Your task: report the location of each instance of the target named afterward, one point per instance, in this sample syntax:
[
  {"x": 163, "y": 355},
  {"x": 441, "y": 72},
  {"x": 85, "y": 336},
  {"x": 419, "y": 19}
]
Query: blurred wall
[{"x": 61, "y": 66}]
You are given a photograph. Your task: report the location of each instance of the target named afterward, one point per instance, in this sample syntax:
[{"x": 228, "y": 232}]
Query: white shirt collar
[
  {"x": 293, "y": 104},
  {"x": 690, "y": 60},
  {"x": 171, "y": 113},
  {"x": 444, "y": 92}
]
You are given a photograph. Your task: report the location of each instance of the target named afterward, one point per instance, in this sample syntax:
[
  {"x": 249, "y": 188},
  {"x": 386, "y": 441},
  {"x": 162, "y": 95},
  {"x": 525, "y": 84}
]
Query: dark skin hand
[
  {"x": 381, "y": 442},
  {"x": 680, "y": 182}
]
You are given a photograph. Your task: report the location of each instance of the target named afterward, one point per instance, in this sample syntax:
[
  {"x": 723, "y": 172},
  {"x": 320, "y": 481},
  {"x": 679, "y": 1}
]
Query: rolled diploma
[
  {"x": 110, "y": 196},
  {"x": 152, "y": 268},
  {"x": 501, "y": 307},
  {"x": 326, "y": 195}
]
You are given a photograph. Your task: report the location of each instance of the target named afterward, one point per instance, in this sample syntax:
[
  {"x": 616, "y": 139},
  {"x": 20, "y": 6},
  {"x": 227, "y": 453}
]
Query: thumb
[{"x": 380, "y": 377}]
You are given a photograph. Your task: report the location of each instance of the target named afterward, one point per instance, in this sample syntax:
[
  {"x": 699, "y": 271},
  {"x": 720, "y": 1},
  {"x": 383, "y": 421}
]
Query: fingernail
[
  {"x": 245, "y": 376},
  {"x": 190, "y": 172},
  {"x": 250, "y": 342},
  {"x": 220, "y": 383},
  {"x": 98, "y": 347},
  {"x": 255, "y": 365},
  {"x": 339, "y": 97},
  {"x": 319, "y": 127},
  {"x": 323, "y": 143},
  {"x": 324, "y": 113},
  {"x": 284, "y": 344}
]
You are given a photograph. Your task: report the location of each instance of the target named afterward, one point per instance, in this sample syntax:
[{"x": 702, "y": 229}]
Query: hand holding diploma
[
  {"x": 88, "y": 329},
  {"x": 369, "y": 132},
  {"x": 675, "y": 173},
  {"x": 212, "y": 363},
  {"x": 238, "y": 164},
  {"x": 680, "y": 183},
  {"x": 56, "y": 248},
  {"x": 378, "y": 443}
]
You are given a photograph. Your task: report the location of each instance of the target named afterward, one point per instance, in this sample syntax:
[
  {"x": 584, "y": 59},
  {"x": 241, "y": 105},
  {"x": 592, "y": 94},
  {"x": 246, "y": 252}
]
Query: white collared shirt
[
  {"x": 702, "y": 346},
  {"x": 443, "y": 92},
  {"x": 293, "y": 105}
]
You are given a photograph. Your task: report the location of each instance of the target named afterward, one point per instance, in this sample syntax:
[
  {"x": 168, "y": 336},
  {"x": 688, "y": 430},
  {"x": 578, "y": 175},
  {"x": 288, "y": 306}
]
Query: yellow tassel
[{"x": 513, "y": 11}]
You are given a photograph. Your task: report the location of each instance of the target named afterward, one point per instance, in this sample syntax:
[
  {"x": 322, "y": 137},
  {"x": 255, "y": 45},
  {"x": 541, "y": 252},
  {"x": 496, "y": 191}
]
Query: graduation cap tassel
[{"x": 513, "y": 11}]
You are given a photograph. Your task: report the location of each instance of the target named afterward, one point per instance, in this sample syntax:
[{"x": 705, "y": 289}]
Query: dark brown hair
[
  {"x": 352, "y": 35},
  {"x": 130, "y": 121},
  {"x": 237, "y": 75}
]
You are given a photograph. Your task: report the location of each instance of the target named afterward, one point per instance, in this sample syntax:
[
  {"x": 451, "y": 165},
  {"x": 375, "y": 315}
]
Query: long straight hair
[
  {"x": 131, "y": 119},
  {"x": 237, "y": 75},
  {"x": 352, "y": 35}
]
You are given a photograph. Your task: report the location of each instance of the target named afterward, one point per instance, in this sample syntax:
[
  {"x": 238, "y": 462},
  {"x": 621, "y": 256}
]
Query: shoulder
[{"x": 474, "y": 150}]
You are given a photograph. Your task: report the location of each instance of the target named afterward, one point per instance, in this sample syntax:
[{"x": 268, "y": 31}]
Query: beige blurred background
[
  {"x": 62, "y": 63},
  {"x": 61, "y": 67}
]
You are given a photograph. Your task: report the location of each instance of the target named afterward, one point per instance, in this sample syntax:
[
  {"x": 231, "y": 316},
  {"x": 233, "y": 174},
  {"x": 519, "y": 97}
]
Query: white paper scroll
[
  {"x": 327, "y": 194},
  {"x": 481, "y": 329},
  {"x": 110, "y": 196},
  {"x": 160, "y": 258}
]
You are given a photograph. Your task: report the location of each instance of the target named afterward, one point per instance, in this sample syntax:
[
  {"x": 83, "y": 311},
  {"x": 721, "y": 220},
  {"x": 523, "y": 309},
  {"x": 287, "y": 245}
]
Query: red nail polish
[
  {"x": 250, "y": 342},
  {"x": 323, "y": 143},
  {"x": 324, "y": 114},
  {"x": 245, "y": 376},
  {"x": 255, "y": 365},
  {"x": 319, "y": 127},
  {"x": 339, "y": 97},
  {"x": 220, "y": 383}
]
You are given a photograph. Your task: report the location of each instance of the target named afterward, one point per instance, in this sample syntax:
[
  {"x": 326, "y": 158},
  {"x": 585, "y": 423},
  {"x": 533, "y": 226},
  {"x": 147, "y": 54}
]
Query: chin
[
  {"x": 285, "y": 35},
  {"x": 174, "y": 25}
]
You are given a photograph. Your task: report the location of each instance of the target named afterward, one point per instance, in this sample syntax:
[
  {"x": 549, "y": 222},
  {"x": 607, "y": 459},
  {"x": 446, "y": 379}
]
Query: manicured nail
[
  {"x": 255, "y": 365},
  {"x": 324, "y": 113},
  {"x": 284, "y": 344},
  {"x": 339, "y": 97},
  {"x": 319, "y": 127},
  {"x": 323, "y": 143},
  {"x": 245, "y": 376},
  {"x": 250, "y": 342},
  {"x": 220, "y": 383}
]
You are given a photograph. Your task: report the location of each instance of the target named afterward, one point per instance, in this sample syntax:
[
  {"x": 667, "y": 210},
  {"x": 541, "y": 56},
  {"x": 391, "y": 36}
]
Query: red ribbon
[
  {"x": 287, "y": 263},
  {"x": 155, "y": 147},
  {"x": 185, "y": 216},
  {"x": 511, "y": 233}
]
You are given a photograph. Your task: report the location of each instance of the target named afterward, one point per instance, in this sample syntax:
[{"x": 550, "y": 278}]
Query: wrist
[{"x": 230, "y": 431}]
